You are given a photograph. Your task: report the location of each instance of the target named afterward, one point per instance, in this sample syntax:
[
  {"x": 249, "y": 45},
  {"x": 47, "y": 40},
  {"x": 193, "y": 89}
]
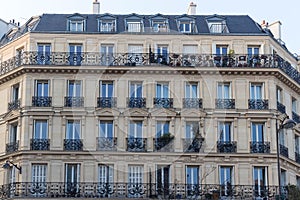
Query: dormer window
[
  {"x": 107, "y": 23},
  {"x": 186, "y": 24},
  {"x": 217, "y": 24},
  {"x": 134, "y": 23},
  {"x": 160, "y": 26},
  {"x": 76, "y": 23}
]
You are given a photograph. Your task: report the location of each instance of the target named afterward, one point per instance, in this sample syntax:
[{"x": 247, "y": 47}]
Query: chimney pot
[
  {"x": 192, "y": 9},
  {"x": 96, "y": 7}
]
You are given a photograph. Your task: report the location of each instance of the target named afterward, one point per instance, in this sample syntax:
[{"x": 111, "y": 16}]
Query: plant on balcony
[{"x": 163, "y": 140}]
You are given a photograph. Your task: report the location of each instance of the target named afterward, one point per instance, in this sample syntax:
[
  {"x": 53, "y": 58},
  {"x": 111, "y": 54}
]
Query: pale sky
[{"x": 287, "y": 12}]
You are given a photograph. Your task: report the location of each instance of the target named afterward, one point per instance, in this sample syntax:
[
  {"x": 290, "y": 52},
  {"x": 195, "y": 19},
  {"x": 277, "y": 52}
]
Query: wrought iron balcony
[
  {"x": 14, "y": 105},
  {"x": 74, "y": 101},
  {"x": 226, "y": 146},
  {"x": 106, "y": 102},
  {"x": 225, "y": 103},
  {"x": 165, "y": 144},
  {"x": 296, "y": 117},
  {"x": 41, "y": 101},
  {"x": 12, "y": 147},
  {"x": 136, "y": 144},
  {"x": 259, "y": 147},
  {"x": 192, "y": 103},
  {"x": 73, "y": 145},
  {"x": 297, "y": 157},
  {"x": 280, "y": 107},
  {"x": 163, "y": 102},
  {"x": 136, "y": 102},
  {"x": 192, "y": 145},
  {"x": 258, "y": 104},
  {"x": 284, "y": 150},
  {"x": 40, "y": 144},
  {"x": 117, "y": 190},
  {"x": 106, "y": 144}
]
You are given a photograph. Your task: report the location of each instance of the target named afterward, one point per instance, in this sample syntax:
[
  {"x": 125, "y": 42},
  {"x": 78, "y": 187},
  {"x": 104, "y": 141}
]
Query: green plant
[{"x": 293, "y": 192}]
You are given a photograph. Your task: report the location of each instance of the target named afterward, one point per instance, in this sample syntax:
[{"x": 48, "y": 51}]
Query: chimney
[
  {"x": 96, "y": 7},
  {"x": 275, "y": 28},
  {"x": 192, "y": 9}
]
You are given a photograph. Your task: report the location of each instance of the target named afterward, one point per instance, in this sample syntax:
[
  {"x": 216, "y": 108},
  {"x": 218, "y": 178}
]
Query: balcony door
[
  {"x": 258, "y": 132},
  {"x": 256, "y": 91},
  {"x": 224, "y": 132},
  {"x": 163, "y": 179},
  {"x": 72, "y": 179},
  {"x": 260, "y": 181},
  {"x": 107, "y": 89},
  {"x": 42, "y": 88},
  {"x": 73, "y": 130},
  {"x": 74, "y": 89},
  {"x": 44, "y": 52},
  {"x": 75, "y": 54},
  {"x": 107, "y": 54},
  {"x": 192, "y": 179},
  {"x": 224, "y": 91},
  {"x": 226, "y": 180},
  {"x": 162, "y": 90},
  {"x": 136, "y": 90}
]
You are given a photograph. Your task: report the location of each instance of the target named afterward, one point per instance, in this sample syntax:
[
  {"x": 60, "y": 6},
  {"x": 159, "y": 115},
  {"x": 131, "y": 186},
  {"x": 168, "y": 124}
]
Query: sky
[{"x": 269, "y": 10}]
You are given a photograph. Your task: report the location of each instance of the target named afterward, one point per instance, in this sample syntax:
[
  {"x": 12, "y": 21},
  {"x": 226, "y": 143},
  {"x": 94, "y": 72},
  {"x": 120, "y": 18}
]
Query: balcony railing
[
  {"x": 192, "y": 145},
  {"x": 297, "y": 157},
  {"x": 89, "y": 190},
  {"x": 136, "y": 102},
  {"x": 258, "y": 104},
  {"x": 73, "y": 145},
  {"x": 12, "y": 147},
  {"x": 14, "y": 105},
  {"x": 226, "y": 147},
  {"x": 136, "y": 144},
  {"x": 296, "y": 117},
  {"x": 106, "y": 102},
  {"x": 280, "y": 107},
  {"x": 106, "y": 144},
  {"x": 225, "y": 103},
  {"x": 41, "y": 101},
  {"x": 40, "y": 144},
  {"x": 259, "y": 147},
  {"x": 163, "y": 144},
  {"x": 74, "y": 101},
  {"x": 192, "y": 103},
  {"x": 284, "y": 150},
  {"x": 163, "y": 102}
]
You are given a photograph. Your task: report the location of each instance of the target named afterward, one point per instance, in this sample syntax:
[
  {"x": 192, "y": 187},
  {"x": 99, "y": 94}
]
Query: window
[
  {"x": 224, "y": 130},
  {"x": 13, "y": 133},
  {"x": 76, "y": 25},
  {"x": 221, "y": 50},
  {"x": 192, "y": 176},
  {"x": 163, "y": 179},
  {"x": 73, "y": 129},
  {"x": 191, "y": 129},
  {"x": 15, "y": 93},
  {"x": 185, "y": 26},
  {"x": 72, "y": 178},
  {"x": 107, "y": 25},
  {"x": 134, "y": 26},
  {"x": 279, "y": 94},
  {"x": 162, "y": 128},
  {"x": 294, "y": 105},
  {"x": 106, "y": 174},
  {"x": 253, "y": 51},
  {"x": 41, "y": 88},
  {"x": 283, "y": 178},
  {"x": 135, "y": 129},
  {"x": 256, "y": 91},
  {"x": 298, "y": 181},
  {"x": 106, "y": 129},
  {"x": 260, "y": 181},
  {"x": 106, "y": 89},
  {"x": 135, "y": 174},
  {"x": 226, "y": 180},
  {"x": 44, "y": 54},
  {"x": 136, "y": 90},
  {"x": 297, "y": 144},
  {"x": 75, "y": 54},
  {"x": 257, "y": 130},
  {"x": 135, "y": 56},
  {"x": 162, "y": 54},
  {"x": 160, "y": 26},
  {"x": 162, "y": 90},
  {"x": 191, "y": 90},
  {"x": 107, "y": 51},
  {"x": 224, "y": 91},
  {"x": 74, "y": 89},
  {"x": 39, "y": 173},
  {"x": 40, "y": 129}
]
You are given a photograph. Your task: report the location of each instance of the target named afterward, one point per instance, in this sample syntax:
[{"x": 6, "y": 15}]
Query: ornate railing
[
  {"x": 136, "y": 144},
  {"x": 226, "y": 147},
  {"x": 41, "y": 101},
  {"x": 280, "y": 107},
  {"x": 225, "y": 103},
  {"x": 74, "y": 101},
  {"x": 296, "y": 117},
  {"x": 106, "y": 144},
  {"x": 297, "y": 157},
  {"x": 163, "y": 102},
  {"x": 284, "y": 150},
  {"x": 40, "y": 144},
  {"x": 33, "y": 190},
  {"x": 136, "y": 102},
  {"x": 73, "y": 145},
  {"x": 259, "y": 147},
  {"x": 106, "y": 102},
  {"x": 165, "y": 144},
  {"x": 192, "y": 145},
  {"x": 192, "y": 103},
  {"x": 258, "y": 104},
  {"x": 12, "y": 147},
  {"x": 14, "y": 105}
]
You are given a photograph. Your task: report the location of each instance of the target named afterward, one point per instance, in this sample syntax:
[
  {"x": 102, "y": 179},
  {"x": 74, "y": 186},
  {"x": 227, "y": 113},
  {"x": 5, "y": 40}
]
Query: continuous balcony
[
  {"x": 258, "y": 104},
  {"x": 226, "y": 146},
  {"x": 106, "y": 144},
  {"x": 225, "y": 103},
  {"x": 136, "y": 144},
  {"x": 136, "y": 102},
  {"x": 74, "y": 101},
  {"x": 106, "y": 102},
  {"x": 41, "y": 101},
  {"x": 14, "y": 105},
  {"x": 89, "y": 190},
  {"x": 12, "y": 147},
  {"x": 259, "y": 147},
  {"x": 73, "y": 145},
  {"x": 192, "y": 103},
  {"x": 284, "y": 150},
  {"x": 40, "y": 144}
]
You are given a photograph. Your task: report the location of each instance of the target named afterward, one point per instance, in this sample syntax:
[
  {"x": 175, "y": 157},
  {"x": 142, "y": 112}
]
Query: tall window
[
  {"x": 260, "y": 180},
  {"x": 13, "y": 132},
  {"x": 192, "y": 178},
  {"x": 39, "y": 173},
  {"x": 40, "y": 129},
  {"x": 162, "y": 54},
  {"x": 44, "y": 52},
  {"x": 297, "y": 145},
  {"x": 136, "y": 89},
  {"x": 190, "y": 129},
  {"x": 72, "y": 178},
  {"x": 221, "y": 50},
  {"x": 256, "y": 91},
  {"x": 15, "y": 92},
  {"x": 106, "y": 89},
  {"x": 226, "y": 180},
  {"x": 107, "y": 51},
  {"x": 283, "y": 178},
  {"x": 294, "y": 105},
  {"x": 75, "y": 54},
  {"x": 74, "y": 88},
  {"x": 225, "y": 134},
  {"x": 162, "y": 128},
  {"x": 42, "y": 88},
  {"x": 73, "y": 129},
  {"x": 224, "y": 90},
  {"x": 253, "y": 51},
  {"x": 136, "y": 129},
  {"x": 279, "y": 94},
  {"x": 135, "y": 56},
  {"x": 162, "y": 90},
  {"x": 191, "y": 90},
  {"x": 106, "y": 129},
  {"x": 135, "y": 174},
  {"x": 257, "y": 130},
  {"x": 106, "y": 174}
]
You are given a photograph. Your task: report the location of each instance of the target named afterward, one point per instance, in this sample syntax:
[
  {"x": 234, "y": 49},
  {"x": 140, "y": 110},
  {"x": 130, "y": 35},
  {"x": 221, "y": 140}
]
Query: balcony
[
  {"x": 73, "y": 145},
  {"x": 40, "y": 144},
  {"x": 14, "y": 105},
  {"x": 281, "y": 107},
  {"x": 106, "y": 102},
  {"x": 41, "y": 101},
  {"x": 136, "y": 144},
  {"x": 136, "y": 102},
  {"x": 106, "y": 144},
  {"x": 258, "y": 104},
  {"x": 12, "y": 147},
  {"x": 225, "y": 103},
  {"x": 163, "y": 102},
  {"x": 192, "y": 145},
  {"x": 74, "y": 101},
  {"x": 259, "y": 147},
  {"x": 295, "y": 117},
  {"x": 165, "y": 143},
  {"x": 226, "y": 146},
  {"x": 192, "y": 103},
  {"x": 284, "y": 150},
  {"x": 297, "y": 157}
]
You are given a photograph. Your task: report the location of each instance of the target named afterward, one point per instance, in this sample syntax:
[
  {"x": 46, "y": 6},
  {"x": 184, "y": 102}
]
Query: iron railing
[
  {"x": 136, "y": 144},
  {"x": 34, "y": 190},
  {"x": 192, "y": 103},
  {"x": 136, "y": 102},
  {"x": 41, "y": 101},
  {"x": 225, "y": 103},
  {"x": 40, "y": 144},
  {"x": 74, "y": 101},
  {"x": 258, "y": 104},
  {"x": 280, "y": 107},
  {"x": 73, "y": 145},
  {"x": 14, "y": 105},
  {"x": 163, "y": 102},
  {"x": 106, "y": 102},
  {"x": 12, "y": 147},
  {"x": 165, "y": 144},
  {"x": 284, "y": 150},
  {"x": 295, "y": 117},
  {"x": 259, "y": 147},
  {"x": 226, "y": 146},
  {"x": 192, "y": 145},
  {"x": 106, "y": 144}
]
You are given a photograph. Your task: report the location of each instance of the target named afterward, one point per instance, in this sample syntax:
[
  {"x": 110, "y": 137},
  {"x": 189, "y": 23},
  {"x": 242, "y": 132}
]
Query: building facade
[{"x": 146, "y": 106}]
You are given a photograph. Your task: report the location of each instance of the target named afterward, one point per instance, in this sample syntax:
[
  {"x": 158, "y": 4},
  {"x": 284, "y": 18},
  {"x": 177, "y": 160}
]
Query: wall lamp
[{"x": 8, "y": 164}]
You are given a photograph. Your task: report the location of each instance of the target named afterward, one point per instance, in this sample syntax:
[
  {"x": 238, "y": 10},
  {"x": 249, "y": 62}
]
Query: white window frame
[
  {"x": 39, "y": 134},
  {"x": 73, "y": 93},
  {"x": 255, "y": 96},
  {"x": 221, "y": 87},
  {"x": 76, "y": 25},
  {"x": 44, "y": 84}
]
